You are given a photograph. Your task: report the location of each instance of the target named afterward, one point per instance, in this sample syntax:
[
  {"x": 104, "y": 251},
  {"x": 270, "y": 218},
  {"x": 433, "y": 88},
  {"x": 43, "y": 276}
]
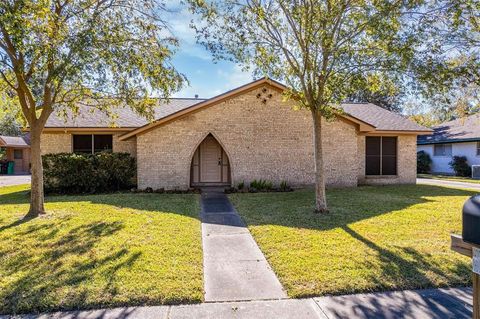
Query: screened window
[
  {"x": 92, "y": 143},
  {"x": 381, "y": 155},
  {"x": 442, "y": 150}
]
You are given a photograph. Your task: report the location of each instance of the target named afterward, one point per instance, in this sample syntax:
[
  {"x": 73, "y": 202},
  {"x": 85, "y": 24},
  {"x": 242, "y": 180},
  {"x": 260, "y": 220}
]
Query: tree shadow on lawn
[
  {"x": 139, "y": 201},
  {"x": 410, "y": 272},
  {"x": 62, "y": 270},
  {"x": 347, "y": 205},
  {"x": 38, "y": 277},
  {"x": 393, "y": 266}
]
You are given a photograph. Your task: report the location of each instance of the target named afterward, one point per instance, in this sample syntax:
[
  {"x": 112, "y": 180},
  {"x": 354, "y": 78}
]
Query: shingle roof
[
  {"x": 463, "y": 129},
  {"x": 88, "y": 117},
  {"x": 382, "y": 119},
  {"x": 124, "y": 117},
  {"x": 379, "y": 118},
  {"x": 14, "y": 141}
]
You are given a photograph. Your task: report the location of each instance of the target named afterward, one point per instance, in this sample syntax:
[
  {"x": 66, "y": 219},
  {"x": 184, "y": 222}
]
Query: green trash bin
[{"x": 10, "y": 168}]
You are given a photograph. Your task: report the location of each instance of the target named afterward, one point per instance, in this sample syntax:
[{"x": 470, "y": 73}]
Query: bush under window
[
  {"x": 460, "y": 165},
  {"x": 68, "y": 173}
]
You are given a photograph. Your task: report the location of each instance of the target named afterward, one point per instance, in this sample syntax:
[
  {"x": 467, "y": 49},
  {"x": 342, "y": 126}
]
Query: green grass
[
  {"x": 373, "y": 239},
  {"x": 450, "y": 178},
  {"x": 99, "y": 251}
]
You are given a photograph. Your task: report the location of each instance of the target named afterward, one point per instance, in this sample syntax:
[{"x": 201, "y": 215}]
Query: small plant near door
[{"x": 261, "y": 185}]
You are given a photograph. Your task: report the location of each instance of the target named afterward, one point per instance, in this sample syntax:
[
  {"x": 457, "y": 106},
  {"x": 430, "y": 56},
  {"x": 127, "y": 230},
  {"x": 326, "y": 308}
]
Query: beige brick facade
[
  {"x": 51, "y": 143},
  {"x": 62, "y": 143},
  {"x": 406, "y": 163},
  {"x": 269, "y": 141}
]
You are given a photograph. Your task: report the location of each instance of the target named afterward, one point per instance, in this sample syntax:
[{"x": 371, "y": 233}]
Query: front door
[
  {"x": 210, "y": 161},
  {"x": 210, "y": 165}
]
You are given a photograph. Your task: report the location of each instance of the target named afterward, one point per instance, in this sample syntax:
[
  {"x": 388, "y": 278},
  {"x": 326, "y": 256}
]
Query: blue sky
[{"x": 205, "y": 77}]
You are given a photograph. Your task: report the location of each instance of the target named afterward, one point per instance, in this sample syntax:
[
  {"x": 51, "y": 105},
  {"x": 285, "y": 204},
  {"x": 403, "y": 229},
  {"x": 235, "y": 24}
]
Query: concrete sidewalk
[
  {"x": 439, "y": 182},
  {"x": 234, "y": 267},
  {"x": 10, "y": 180},
  {"x": 420, "y": 304}
]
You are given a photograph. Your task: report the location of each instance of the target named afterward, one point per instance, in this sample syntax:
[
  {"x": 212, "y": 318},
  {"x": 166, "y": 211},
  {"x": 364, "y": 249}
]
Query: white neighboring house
[{"x": 460, "y": 137}]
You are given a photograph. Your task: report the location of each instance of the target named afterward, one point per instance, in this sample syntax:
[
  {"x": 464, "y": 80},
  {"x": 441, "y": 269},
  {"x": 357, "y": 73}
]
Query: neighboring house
[
  {"x": 455, "y": 138},
  {"x": 244, "y": 134},
  {"x": 17, "y": 151}
]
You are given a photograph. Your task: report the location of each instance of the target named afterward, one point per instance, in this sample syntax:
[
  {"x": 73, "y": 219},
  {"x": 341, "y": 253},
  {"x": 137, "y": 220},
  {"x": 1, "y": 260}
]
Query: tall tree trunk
[
  {"x": 36, "y": 200},
  {"x": 320, "y": 196}
]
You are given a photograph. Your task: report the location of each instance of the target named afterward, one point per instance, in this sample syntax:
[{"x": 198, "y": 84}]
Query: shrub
[
  {"x": 241, "y": 185},
  {"x": 261, "y": 185},
  {"x": 284, "y": 187},
  {"x": 460, "y": 166},
  {"x": 424, "y": 162},
  {"x": 68, "y": 173}
]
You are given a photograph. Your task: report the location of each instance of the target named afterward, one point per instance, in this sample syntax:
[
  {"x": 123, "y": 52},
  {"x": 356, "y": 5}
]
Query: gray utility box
[{"x": 476, "y": 171}]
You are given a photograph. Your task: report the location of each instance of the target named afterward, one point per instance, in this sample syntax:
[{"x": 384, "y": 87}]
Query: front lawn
[
  {"x": 449, "y": 178},
  {"x": 99, "y": 251},
  {"x": 373, "y": 239}
]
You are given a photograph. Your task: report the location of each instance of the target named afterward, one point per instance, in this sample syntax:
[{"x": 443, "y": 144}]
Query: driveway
[
  {"x": 438, "y": 182},
  {"x": 9, "y": 180}
]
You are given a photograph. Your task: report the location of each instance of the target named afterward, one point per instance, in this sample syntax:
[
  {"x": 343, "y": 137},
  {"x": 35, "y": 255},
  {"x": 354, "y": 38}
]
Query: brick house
[
  {"x": 17, "y": 150},
  {"x": 244, "y": 134}
]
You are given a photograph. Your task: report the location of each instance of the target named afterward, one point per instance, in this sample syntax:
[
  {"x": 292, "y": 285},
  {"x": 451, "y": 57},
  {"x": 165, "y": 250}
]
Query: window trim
[
  {"x": 92, "y": 143},
  {"x": 381, "y": 159},
  {"x": 443, "y": 155}
]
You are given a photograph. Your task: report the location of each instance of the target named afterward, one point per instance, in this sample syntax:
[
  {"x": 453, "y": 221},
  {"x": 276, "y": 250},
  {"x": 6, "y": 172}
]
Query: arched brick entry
[{"x": 210, "y": 165}]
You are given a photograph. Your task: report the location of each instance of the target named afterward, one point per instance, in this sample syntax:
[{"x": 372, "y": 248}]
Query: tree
[
  {"x": 447, "y": 74},
  {"x": 324, "y": 50},
  {"x": 10, "y": 116},
  {"x": 58, "y": 54}
]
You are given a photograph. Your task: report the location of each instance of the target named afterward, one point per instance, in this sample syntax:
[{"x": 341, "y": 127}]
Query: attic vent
[{"x": 476, "y": 171}]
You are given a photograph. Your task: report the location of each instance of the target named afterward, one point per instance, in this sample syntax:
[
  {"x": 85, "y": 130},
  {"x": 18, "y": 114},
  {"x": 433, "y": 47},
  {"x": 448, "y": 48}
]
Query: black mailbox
[{"x": 471, "y": 220}]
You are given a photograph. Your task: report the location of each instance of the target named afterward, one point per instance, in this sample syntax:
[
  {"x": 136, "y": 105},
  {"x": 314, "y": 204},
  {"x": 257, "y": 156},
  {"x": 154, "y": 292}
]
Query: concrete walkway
[
  {"x": 234, "y": 267},
  {"x": 424, "y": 304},
  {"x": 439, "y": 182},
  {"x": 9, "y": 180}
]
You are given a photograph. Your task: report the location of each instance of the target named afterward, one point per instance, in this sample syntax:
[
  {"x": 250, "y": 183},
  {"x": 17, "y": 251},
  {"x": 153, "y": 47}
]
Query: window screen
[
  {"x": 102, "y": 143},
  {"x": 82, "y": 144},
  {"x": 381, "y": 155},
  {"x": 372, "y": 151},
  {"x": 92, "y": 143},
  {"x": 442, "y": 150}
]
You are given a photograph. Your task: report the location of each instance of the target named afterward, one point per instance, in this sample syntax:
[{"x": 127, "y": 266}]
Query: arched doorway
[{"x": 210, "y": 165}]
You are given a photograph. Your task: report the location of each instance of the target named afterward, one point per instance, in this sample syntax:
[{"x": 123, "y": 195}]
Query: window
[
  {"x": 478, "y": 148},
  {"x": 381, "y": 155},
  {"x": 17, "y": 154},
  {"x": 442, "y": 150},
  {"x": 89, "y": 144}
]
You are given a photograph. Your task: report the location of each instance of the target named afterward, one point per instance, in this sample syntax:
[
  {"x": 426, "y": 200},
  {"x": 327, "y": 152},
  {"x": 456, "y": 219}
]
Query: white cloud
[
  {"x": 235, "y": 77},
  {"x": 179, "y": 21}
]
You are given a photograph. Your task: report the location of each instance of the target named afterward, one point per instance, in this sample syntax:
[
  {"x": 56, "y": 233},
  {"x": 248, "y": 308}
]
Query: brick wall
[
  {"x": 269, "y": 141},
  {"x": 55, "y": 143},
  {"x": 62, "y": 143},
  {"x": 406, "y": 163}
]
